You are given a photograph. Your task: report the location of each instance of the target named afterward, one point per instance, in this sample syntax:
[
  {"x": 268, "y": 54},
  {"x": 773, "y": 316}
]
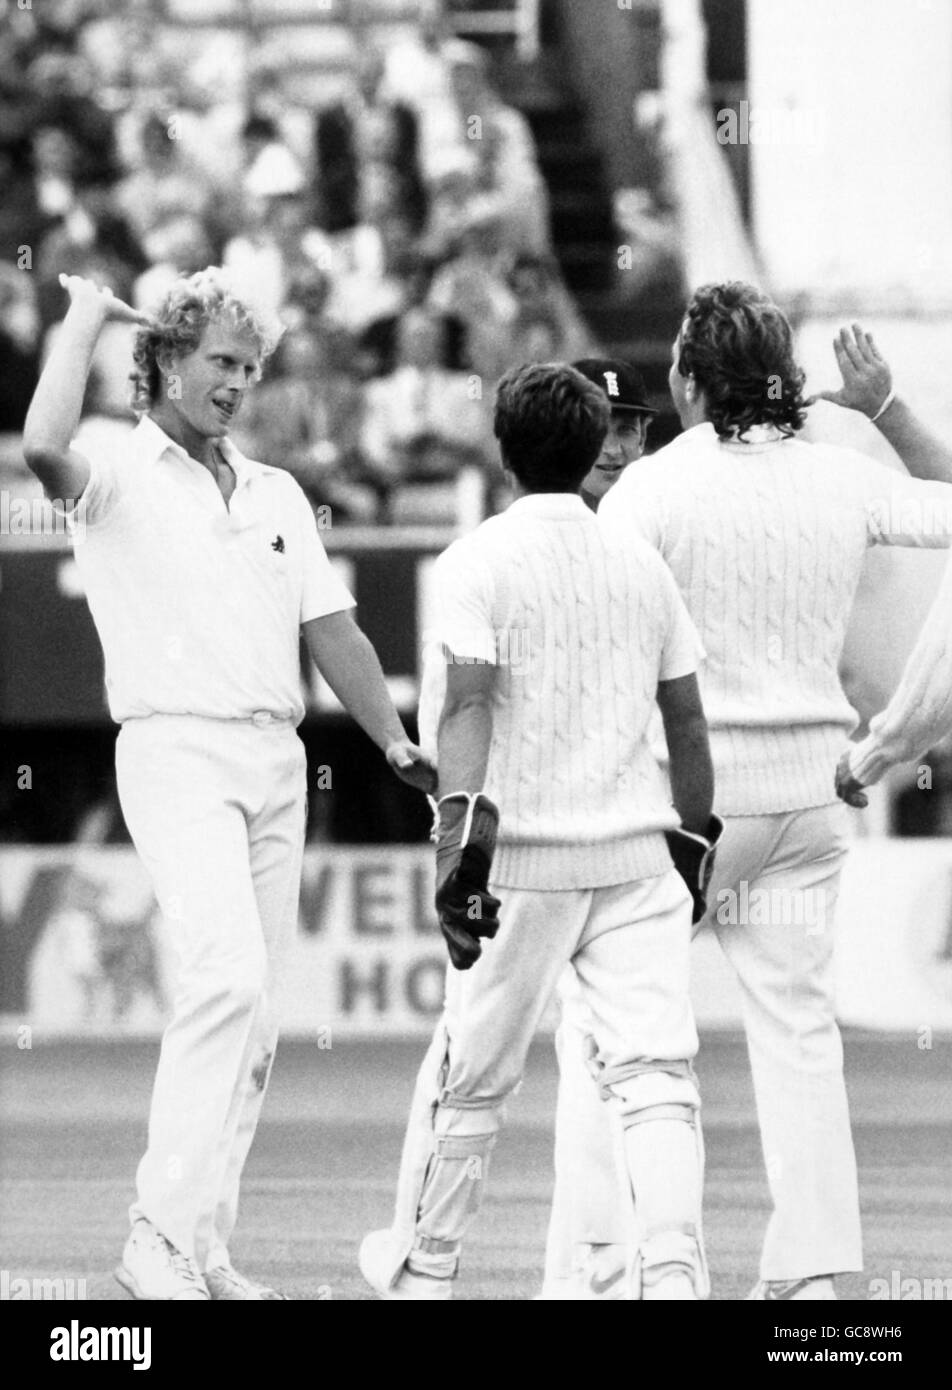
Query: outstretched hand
[
  {"x": 867, "y": 377},
  {"x": 87, "y": 294},
  {"x": 848, "y": 789},
  {"x": 411, "y": 766}
]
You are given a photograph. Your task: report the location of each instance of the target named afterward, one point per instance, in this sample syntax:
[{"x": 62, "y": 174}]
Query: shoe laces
[
  {"x": 232, "y": 1275},
  {"x": 183, "y": 1264}
]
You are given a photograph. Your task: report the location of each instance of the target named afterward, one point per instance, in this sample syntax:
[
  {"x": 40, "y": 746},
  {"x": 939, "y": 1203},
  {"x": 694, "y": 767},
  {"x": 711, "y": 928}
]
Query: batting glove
[
  {"x": 465, "y": 835},
  {"x": 693, "y": 857}
]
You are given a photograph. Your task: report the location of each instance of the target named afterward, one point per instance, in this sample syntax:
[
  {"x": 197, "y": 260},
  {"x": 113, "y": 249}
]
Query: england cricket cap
[{"x": 622, "y": 383}]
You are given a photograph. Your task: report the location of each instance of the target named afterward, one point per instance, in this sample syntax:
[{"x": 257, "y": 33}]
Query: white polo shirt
[{"x": 199, "y": 604}]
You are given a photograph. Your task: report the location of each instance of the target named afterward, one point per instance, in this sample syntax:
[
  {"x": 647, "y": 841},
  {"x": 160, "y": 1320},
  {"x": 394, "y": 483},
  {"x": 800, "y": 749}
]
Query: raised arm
[
  {"x": 867, "y": 387},
  {"x": 347, "y": 661},
  {"x": 54, "y": 412}
]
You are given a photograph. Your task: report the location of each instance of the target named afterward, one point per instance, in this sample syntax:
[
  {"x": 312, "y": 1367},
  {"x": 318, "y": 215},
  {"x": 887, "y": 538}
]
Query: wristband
[{"x": 884, "y": 407}]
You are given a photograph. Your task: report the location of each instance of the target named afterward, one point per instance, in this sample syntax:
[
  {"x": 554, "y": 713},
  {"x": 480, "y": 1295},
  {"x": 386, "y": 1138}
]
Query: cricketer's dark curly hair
[
  {"x": 738, "y": 346},
  {"x": 551, "y": 423},
  {"x": 180, "y": 320}
]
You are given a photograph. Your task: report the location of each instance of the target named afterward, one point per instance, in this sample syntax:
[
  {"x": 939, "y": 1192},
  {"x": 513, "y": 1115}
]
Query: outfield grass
[{"x": 323, "y": 1168}]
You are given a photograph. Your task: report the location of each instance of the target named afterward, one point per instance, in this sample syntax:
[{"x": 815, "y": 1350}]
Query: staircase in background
[{"x": 584, "y": 235}]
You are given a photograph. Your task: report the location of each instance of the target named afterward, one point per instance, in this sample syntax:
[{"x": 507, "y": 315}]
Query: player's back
[
  {"x": 581, "y": 628},
  {"x": 766, "y": 540}
]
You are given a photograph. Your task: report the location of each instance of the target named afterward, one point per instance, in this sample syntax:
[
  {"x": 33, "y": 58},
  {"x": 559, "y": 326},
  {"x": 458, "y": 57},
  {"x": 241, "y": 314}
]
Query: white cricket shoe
[
  {"x": 390, "y": 1279},
  {"x": 600, "y": 1275},
  {"x": 152, "y": 1268},
  {"x": 225, "y": 1284},
  {"x": 818, "y": 1286}
]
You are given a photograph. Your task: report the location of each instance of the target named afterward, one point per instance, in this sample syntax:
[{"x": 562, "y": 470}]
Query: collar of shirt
[
  {"x": 553, "y": 506},
  {"x": 152, "y": 442},
  {"x": 755, "y": 437}
]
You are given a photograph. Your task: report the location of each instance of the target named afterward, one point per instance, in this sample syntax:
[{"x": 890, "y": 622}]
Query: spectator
[
  {"x": 544, "y": 309},
  {"x": 417, "y": 73},
  {"x": 164, "y": 181},
  {"x": 305, "y": 417},
  {"x": 92, "y": 234},
  {"x": 508, "y": 177},
  {"x": 366, "y": 155},
  {"x": 421, "y": 423},
  {"x": 177, "y": 247},
  {"x": 55, "y": 157},
  {"x": 649, "y": 232},
  {"x": 368, "y": 266},
  {"x": 412, "y": 273},
  {"x": 271, "y": 170},
  {"x": 472, "y": 287},
  {"x": 19, "y": 345},
  {"x": 453, "y": 194},
  {"x": 278, "y": 243}
]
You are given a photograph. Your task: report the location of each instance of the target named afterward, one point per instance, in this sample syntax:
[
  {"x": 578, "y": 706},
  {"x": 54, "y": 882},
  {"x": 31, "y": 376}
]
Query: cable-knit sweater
[
  {"x": 581, "y": 627},
  {"x": 766, "y": 541}
]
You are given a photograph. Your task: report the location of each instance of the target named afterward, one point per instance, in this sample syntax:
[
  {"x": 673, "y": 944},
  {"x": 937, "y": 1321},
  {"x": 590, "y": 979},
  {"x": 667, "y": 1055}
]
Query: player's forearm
[
  {"x": 923, "y": 454},
  {"x": 57, "y": 402},
  {"x": 920, "y": 712},
  {"x": 904, "y": 731},
  {"x": 463, "y": 743},
  {"x": 347, "y": 661},
  {"x": 692, "y": 773}
]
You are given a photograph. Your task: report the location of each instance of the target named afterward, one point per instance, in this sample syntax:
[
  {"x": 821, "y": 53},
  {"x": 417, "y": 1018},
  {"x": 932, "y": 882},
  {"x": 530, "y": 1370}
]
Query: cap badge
[{"x": 611, "y": 383}]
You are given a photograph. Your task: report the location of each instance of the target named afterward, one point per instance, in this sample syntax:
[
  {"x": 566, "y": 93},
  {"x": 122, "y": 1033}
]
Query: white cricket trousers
[
  {"x": 628, "y": 946},
  {"x": 772, "y": 905},
  {"x": 216, "y": 809}
]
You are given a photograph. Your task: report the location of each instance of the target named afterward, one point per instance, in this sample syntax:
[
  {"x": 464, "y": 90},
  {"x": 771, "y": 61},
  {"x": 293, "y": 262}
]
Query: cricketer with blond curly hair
[{"x": 202, "y": 570}]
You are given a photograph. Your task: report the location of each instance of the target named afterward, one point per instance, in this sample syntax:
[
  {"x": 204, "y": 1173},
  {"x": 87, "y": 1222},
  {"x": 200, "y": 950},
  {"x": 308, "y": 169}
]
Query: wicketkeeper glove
[
  {"x": 465, "y": 835},
  {"x": 693, "y": 857}
]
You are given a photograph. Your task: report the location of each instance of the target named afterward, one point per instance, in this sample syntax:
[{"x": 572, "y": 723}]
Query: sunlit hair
[
  {"x": 738, "y": 346},
  {"x": 551, "y": 423},
  {"x": 180, "y": 319}
]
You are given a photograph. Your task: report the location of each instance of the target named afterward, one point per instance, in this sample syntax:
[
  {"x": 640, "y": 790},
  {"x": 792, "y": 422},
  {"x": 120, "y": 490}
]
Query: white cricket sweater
[
  {"x": 581, "y": 628},
  {"x": 766, "y": 541}
]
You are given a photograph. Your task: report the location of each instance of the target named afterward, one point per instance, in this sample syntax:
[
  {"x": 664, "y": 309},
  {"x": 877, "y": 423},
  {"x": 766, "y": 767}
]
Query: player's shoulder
[
  {"x": 839, "y": 465},
  {"x": 475, "y": 547},
  {"x": 277, "y": 481},
  {"x": 626, "y": 548},
  {"x": 663, "y": 471},
  {"x": 699, "y": 445},
  {"x": 648, "y": 562}
]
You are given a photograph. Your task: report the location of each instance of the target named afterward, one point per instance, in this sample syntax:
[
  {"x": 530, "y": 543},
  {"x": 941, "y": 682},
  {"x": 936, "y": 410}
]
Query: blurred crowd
[{"x": 401, "y": 227}]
